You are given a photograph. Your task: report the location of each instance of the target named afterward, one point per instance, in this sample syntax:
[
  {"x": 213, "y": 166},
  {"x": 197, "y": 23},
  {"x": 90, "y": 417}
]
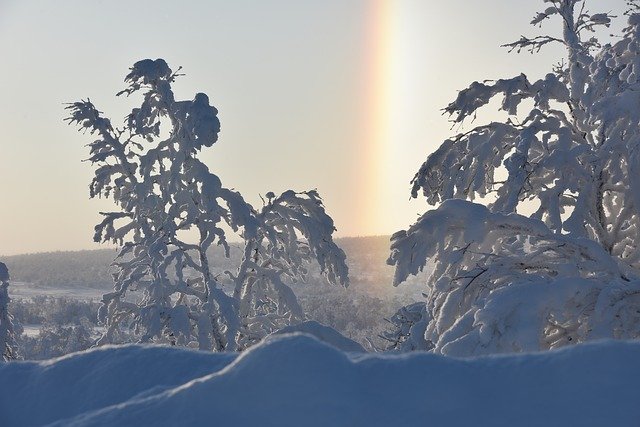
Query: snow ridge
[{"x": 294, "y": 380}]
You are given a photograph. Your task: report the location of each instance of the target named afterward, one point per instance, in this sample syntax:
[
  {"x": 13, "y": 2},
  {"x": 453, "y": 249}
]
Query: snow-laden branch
[
  {"x": 570, "y": 270},
  {"x": 490, "y": 271},
  {"x": 8, "y": 347}
]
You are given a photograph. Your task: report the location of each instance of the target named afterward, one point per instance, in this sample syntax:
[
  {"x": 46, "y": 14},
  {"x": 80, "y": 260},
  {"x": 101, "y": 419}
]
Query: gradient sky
[{"x": 339, "y": 95}]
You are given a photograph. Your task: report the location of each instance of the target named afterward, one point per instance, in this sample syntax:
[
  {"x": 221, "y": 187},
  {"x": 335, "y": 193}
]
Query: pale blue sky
[{"x": 289, "y": 78}]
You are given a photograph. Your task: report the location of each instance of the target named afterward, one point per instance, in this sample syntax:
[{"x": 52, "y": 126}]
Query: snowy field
[{"x": 295, "y": 380}]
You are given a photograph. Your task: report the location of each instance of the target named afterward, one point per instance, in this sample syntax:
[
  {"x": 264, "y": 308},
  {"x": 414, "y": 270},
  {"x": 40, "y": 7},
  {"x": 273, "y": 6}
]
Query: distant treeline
[
  {"x": 63, "y": 269},
  {"x": 67, "y": 324},
  {"x": 366, "y": 258}
]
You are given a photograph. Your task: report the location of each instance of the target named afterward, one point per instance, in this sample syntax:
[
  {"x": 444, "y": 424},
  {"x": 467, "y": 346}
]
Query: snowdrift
[
  {"x": 296, "y": 380},
  {"x": 323, "y": 333}
]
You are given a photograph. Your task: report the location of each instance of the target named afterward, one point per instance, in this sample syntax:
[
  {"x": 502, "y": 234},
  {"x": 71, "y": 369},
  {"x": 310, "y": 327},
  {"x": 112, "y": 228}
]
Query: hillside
[
  {"x": 366, "y": 257},
  {"x": 48, "y": 287}
]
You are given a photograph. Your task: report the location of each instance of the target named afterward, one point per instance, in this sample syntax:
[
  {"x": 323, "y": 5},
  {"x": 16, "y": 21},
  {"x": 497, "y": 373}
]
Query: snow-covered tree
[
  {"x": 500, "y": 279},
  {"x": 150, "y": 168},
  {"x": 7, "y": 334},
  {"x": 275, "y": 251}
]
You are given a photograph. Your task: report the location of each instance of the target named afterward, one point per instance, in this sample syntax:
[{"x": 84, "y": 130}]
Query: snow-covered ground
[
  {"x": 31, "y": 330},
  {"x": 295, "y": 380}
]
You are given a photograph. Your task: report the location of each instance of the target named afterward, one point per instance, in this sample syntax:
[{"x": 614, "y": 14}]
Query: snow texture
[
  {"x": 323, "y": 333},
  {"x": 295, "y": 380}
]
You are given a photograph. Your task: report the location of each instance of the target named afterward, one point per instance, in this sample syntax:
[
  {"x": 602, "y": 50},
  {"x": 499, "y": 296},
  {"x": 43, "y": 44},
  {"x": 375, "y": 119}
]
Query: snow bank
[
  {"x": 37, "y": 393},
  {"x": 323, "y": 333},
  {"x": 296, "y": 380}
]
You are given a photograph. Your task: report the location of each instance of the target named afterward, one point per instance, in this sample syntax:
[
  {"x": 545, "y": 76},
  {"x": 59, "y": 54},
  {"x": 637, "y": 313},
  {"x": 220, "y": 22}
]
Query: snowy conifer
[
  {"x": 150, "y": 168},
  {"x": 7, "y": 335},
  {"x": 501, "y": 280}
]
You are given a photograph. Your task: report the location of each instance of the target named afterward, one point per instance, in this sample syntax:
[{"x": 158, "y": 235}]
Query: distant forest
[
  {"x": 366, "y": 258},
  {"x": 68, "y": 323}
]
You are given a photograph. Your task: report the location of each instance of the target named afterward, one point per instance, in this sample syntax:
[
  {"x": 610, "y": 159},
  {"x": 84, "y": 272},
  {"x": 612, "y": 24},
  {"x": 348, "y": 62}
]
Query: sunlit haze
[{"x": 342, "y": 96}]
